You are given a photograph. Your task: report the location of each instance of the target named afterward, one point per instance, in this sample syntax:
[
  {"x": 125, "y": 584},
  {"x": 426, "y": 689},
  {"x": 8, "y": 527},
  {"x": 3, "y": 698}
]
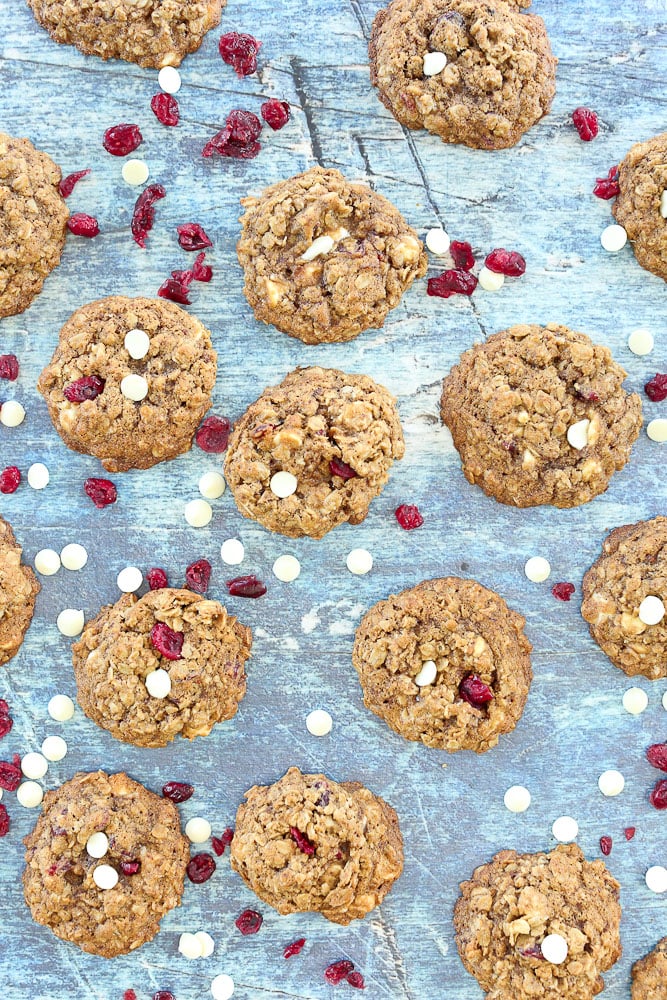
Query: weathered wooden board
[{"x": 535, "y": 198}]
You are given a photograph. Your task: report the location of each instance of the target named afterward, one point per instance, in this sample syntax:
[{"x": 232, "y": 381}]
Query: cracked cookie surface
[
  {"x": 18, "y": 590},
  {"x": 641, "y": 205},
  {"x": 649, "y": 974}
]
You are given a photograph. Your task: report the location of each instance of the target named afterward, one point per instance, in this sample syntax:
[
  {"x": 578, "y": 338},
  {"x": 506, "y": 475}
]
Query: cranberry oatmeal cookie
[
  {"x": 649, "y": 974},
  {"x": 641, "y": 205},
  {"x": 18, "y": 590},
  {"x": 309, "y": 843},
  {"x": 33, "y": 222},
  {"x": 473, "y": 72},
  {"x": 151, "y": 33},
  {"x": 106, "y": 895},
  {"x": 330, "y": 437},
  {"x": 622, "y": 592},
  {"x": 539, "y": 416},
  {"x": 169, "y": 663},
  {"x": 511, "y": 905},
  {"x": 325, "y": 258},
  {"x": 445, "y": 662},
  {"x": 130, "y": 402}
]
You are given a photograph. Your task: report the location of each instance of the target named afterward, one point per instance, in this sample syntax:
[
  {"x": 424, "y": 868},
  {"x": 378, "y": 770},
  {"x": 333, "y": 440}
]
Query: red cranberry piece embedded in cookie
[
  {"x": 10, "y": 479},
  {"x": 175, "y": 291},
  {"x": 200, "y": 270},
  {"x": 178, "y": 791},
  {"x": 88, "y": 387},
  {"x": 101, "y": 491},
  {"x": 301, "y": 841},
  {"x": 658, "y": 797},
  {"x": 143, "y": 216},
  {"x": 9, "y": 367},
  {"x": 586, "y": 123},
  {"x": 68, "y": 183},
  {"x": 165, "y": 108},
  {"x": 249, "y": 922},
  {"x": 213, "y": 435},
  {"x": 657, "y": 756},
  {"x": 246, "y": 586},
  {"x": 563, "y": 591},
  {"x": 10, "y": 773},
  {"x": 532, "y": 951},
  {"x": 240, "y": 52},
  {"x": 357, "y": 980},
  {"x": 4, "y": 821},
  {"x": 338, "y": 971},
  {"x": 156, "y": 579},
  {"x": 453, "y": 282},
  {"x": 294, "y": 948},
  {"x": 629, "y": 832},
  {"x": 200, "y": 868},
  {"x": 198, "y": 576},
  {"x": 473, "y": 690},
  {"x": 275, "y": 113},
  {"x": 656, "y": 388},
  {"x": 462, "y": 255},
  {"x": 408, "y": 516},
  {"x": 119, "y": 140},
  {"x": 191, "y": 236},
  {"x": 507, "y": 262},
  {"x": 606, "y": 845},
  {"x": 130, "y": 867},
  {"x": 342, "y": 469},
  {"x": 81, "y": 224},
  {"x": 167, "y": 642},
  {"x": 223, "y": 841}
]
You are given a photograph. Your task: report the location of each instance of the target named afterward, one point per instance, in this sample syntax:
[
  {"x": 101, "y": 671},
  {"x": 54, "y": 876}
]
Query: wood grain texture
[{"x": 535, "y": 198}]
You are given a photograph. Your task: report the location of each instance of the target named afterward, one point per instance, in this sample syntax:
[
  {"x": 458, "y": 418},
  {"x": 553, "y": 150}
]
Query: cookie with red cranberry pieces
[
  {"x": 105, "y": 862},
  {"x": 325, "y": 258},
  {"x": 314, "y": 451},
  {"x": 641, "y": 205},
  {"x": 446, "y": 663},
  {"x": 625, "y": 596},
  {"x": 475, "y": 72},
  {"x": 649, "y": 974},
  {"x": 130, "y": 381},
  {"x": 150, "y": 32},
  {"x": 170, "y": 663},
  {"x": 307, "y": 843},
  {"x": 18, "y": 590},
  {"x": 33, "y": 222},
  {"x": 539, "y": 415}
]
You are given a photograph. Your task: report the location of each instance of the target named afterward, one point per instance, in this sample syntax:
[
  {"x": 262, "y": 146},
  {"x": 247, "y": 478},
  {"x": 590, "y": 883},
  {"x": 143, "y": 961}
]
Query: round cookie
[
  {"x": 513, "y": 903},
  {"x": 632, "y": 566},
  {"x": 33, "y": 222},
  {"x": 18, "y": 590},
  {"x": 59, "y": 883},
  {"x": 124, "y": 645},
  {"x": 308, "y": 843},
  {"x": 325, "y": 258},
  {"x": 473, "y": 72},
  {"x": 441, "y": 634},
  {"x": 539, "y": 416},
  {"x": 178, "y": 374},
  {"x": 315, "y": 417},
  {"x": 641, "y": 205},
  {"x": 150, "y": 33},
  {"x": 649, "y": 974}
]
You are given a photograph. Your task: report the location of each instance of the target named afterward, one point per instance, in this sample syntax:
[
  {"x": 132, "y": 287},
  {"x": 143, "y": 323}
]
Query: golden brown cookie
[
  {"x": 325, "y": 258},
  {"x": 130, "y": 412},
  {"x": 539, "y": 416},
  {"x": 190, "y": 638},
  {"x": 309, "y": 843},
  {"x": 445, "y": 662},
  {"x": 641, "y": 205},
  {"x": 18, "y": 590},
  {"x": 649, "y": 974}
]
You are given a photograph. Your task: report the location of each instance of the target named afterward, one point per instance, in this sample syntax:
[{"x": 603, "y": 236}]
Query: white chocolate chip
[
  {"x": 537, "y": 569},
  {"x": 517, "y": 799},
  {"x": 198, "y": 513},
  {"x": 664, "y": 701},
  {"x": 61, "y": 708},
  {"x": 635, "y": 701},
  {"x": 613, "y": 238},
  {"x": 207, "y": 943},
  {"x": 565, "y": 829},
  {"x": 169, "y": 80},
  {"x": 38, "y": 476},
  {"x": 283, "y": 484},
  {"x": 135, "y": 172},
  {"x": 657, "y": 430},
  {"x": 189, "y": 946},
  {"x": 611, "y": 783},
  {"x": 438, "y": 241},
  {"x": 74, "y": 556},
  {"x": 134, "y": 387},
  {"x": 663, "y": 204},
  {"x": 318, "y": 248},
  {"x": 29, "y": 795},
  {"x": 105, "y": 877},
  {"x": 554, "y": 949},
  {"x": 54, "y": 748},
  {"x": 212, "y": 485},
  {"x": 651, "y": 610},
  {"x": 286, "y": 568},
  {"x": 656, "y": 879},
  {"x": 359, "y": 562},
  {"x": 11, "y": 413},
  {"x": 222, "y": 987},
  {"x": 641, "y": 342},
  {"x": 158, "y": 683},
  {"x": 129, "y": 579},
  {"x": 197, "y": 830},
  {"x": 577, "y": 434},
  {"x": 70, "y": 622},
  {"x": 47, "y": 562},
  {"x": 34, "y": 765},
  {"x": 490, "y": 281},
  {"x": 137, "y": 344},
  {"x": 232, "y": 552},
  {"x": 319, "y": 722},
  {"x": 97, "y": 845},
  {"x": 427, "y": 674},
  {"x": 434, "y": 63}
]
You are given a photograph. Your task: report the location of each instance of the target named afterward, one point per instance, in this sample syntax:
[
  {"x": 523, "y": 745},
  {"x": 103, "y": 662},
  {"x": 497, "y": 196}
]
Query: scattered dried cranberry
[
  {"x": 101, "y": 491},
  {"x": 658, "y": 797},
  {"x": 165, "y": 108},
  {"x": 10, "y": 479},
  {"x": 342, "y": 469},
  {"x": 249, "y": 922},
  {"x": 338, "y": 971},
  {"x": 200, "y": 270},
  {"x": 143, "y": 216},
  {"x": 198, "y": 576},
  {"x": 452, "y": 283},
  {"x": 88, "y": 387},
  {"x": 301, "y": 841},
  {"x": 200, "y": 868},
  {"x": 119, "y": 140},
  {"x": 563, "y": 591},
  {"x": 605, "y": 846},
  {"x": 4, "y": 821},
  {"x": 6, "y": 721},
  {"x": 462, "y": 255},
  {"x": 607, "y": 187},
  {"x": 68, "y": 183},
  {"x": 408, "y": 516},
  {"x": 473, "y": 690},
  {"x": 245, "y": 126},
  {"x": 178, "y": 791},
  {"x": 10, "y": 774},
  {"x": 129, "y": 995},
  {"x": 357, "y": 980},
  {"x": 163, "y": 995},
  {"x": 656, "y": 388},
  {"x": 586, "y": 123},
  {"x": 507, "y": 262},
  {"x": 213, "y": 435},
  {"x": 657, "y": 756},
  {"x": 156, "y": 579},
  {"x": 246, "y": 586},
  {"x": 175, "y": 291},
  {"x": 9, "y": 367},
  {"x": 191, "y": 236},
  {"x": 167, "y": 642},
  {"x": 83, "y": 225},
  {"x": 219, "y": 843},
  {"x": 239, "y": 137},
  {"x": 294, "y": 948},
  {"x": 239, "y": 51},
  {"x": 275, "y": 113},
  {"x": 629, "y": 832},
  {"x": 130, "y": 867}
]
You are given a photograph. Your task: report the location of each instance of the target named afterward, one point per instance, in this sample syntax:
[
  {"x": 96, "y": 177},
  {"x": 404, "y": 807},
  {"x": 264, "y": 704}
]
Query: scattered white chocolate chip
[
  {"x": 322, "y": 245},
  {"x": 134, "y": 387},
  {"x": 11, "y": 413},
  {"x": 70, "y": 622},
  {"x": 663, "y": 204},
  {"x": 427, "y": 674},
  {"x": 554, "y": 949},
  {"x": 359, "y": 562},
  {"x": 158, "y": 683},
  {"x": 105, "y": 877},
  {"x": 490, "y": 280},
  {"x": 207, "y": 943},
  {"x": 565, "y": 829},
  {"x": 137, "y": 344},
  {"x": 197, "y": 830},
  {"x": 97, "y": 845},
  {"x": 657, "y": 430},
  {"x": 190, "y": 946},
  {"x": 434, "y": 63},
  {"x": 222, "y": 987},
  {"x": 656, "y": 878},
  {"x": 319, "y": 722},
  {"x": 664, "y": 701},
  {"x": 34, "y": 765},
  {"x": 635, "y": 701},
  {"x": 283, "y": 484},
  {"x": 611, "y": 783},
  {"x": 286, "y": 568},
  {"x": 641, "y": 342},
  {"x": 29, "y": 795},
  {"x": 212, "y": 485},
  {"x": 38, "y": 476},
  {"x": 517, "y": 799},
  {"x": 54, "y": 748},
  {"x": 577, "y": 434},
  {"x": 61, "y": 708},
  {"x": 135, "y": 172},
  {"x": 47, "y": 562},
  {"x": 0, "y": 794},
  {"x": 438, "y": 241},
  {"x": 613, "y": 238},
  {"x": 537, "y": 569},
  {"x": 651, "y": 610},
  {"x": 198, "y": 513},
  {"x": 129, "y": 579},
  {"x": 232, "y": 552},
  {"x": 74, "y": 556},
  {"x": 169, "y": 80}
]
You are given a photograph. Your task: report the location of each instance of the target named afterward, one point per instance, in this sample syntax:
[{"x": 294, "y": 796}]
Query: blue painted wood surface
[{"x": 535, "y": 198}]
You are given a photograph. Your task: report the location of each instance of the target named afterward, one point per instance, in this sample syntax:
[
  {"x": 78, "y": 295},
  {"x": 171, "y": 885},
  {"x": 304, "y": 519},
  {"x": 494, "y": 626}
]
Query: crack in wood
[{"x": 300, "y": 88}]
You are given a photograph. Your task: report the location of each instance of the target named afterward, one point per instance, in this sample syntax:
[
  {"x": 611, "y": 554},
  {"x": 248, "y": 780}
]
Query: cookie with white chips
[{"x": 18, "y": 590}]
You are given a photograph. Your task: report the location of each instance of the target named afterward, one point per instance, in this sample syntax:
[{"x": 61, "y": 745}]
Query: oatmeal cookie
[
  {"x": 511, "y": 904},
  {"x": 33, "y": 222},
  {"x": 151, "y": 33},
  {"x": 98, "y": 412},
  {"x": 649, "y": 974},
  {"x": 641, "y": 205},
  {"x": 425, "y": 656},
  {"x": 18, "y": 590},
  {"x": 325, "y": 258},
  {"x": 191, "y": 638},
  {"x": 473, "y": 72},
  {"x": 539, "y": 416},
  {"x": 632, "y": 567},
  {"x": 309, "y": 843},
  {"x": 337, "y": 434},
  {"x": 145, "y": 849}
]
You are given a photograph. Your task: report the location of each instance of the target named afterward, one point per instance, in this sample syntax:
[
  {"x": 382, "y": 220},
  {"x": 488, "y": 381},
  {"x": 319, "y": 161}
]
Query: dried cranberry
[
  {"x": 10, "y": 479},
  {"x": 586, "y": 123},
  {"x": 507, "y": 262},
  {"x": 338, "y": 971},
  {"x": 83, "y": 225},
  {"x": 68, "y": 183},
  {"x": 167, "y": 642},
  {"x": 245, "y": 126},
  {"x": 408, "y": 516},
  {"x": 462, "y": 255},
  {"x": 357, "y": 980},
  {"x": 178, "y": 791},
  {"x": 473, "y": 690},
  {"x": 129, "y": 995},
  {"x": 239, "y": 137},
  {"x": 629, "y": 832},
  {"x": 4, "y": 821},
  {"x": 213, "y": 435},
  {"x": 607, "y": 187},
  {"x": 563, "y": 591},
  {"x": 200, "y": 868},
  {"x": 165, "y": 108},
  {"x": 175, "y": 291},
  {"x": 200, "y": 270},
  {"x": 249, "y": 922},
  {"x": 246, "y": 586},
  {"x": 294, "y": 948},
  {"x": 198, "y": 576},
  {"x": 342, "y": 469},
  {"x": 4, "y": 707},
  {"x": 275, "y": 113},
  {"x": 9, "y": 367},
  {"x": 119, "y": 140},
  {"x": 239, "y": 51},
  {"x": 452, "y": 282},
  {"x": 157, "y": 579},
  {"x": 532, "y": 951},
  {"x": 656, "y": 388},
  {"x": 88, "y": 387},
  {"x": 658, "y": 796},
  {"x": 101, "y": 491},
  {"x": 143, "y": 216},
  {"x": 163, "y": 995},
  {"x": 6, "y": 723},
  {"x": 220, "y": 843},
  {"x": 10, "y": 774},
  {"x": 606, "y": 845},
  {"x": 191, "y": 236},
  {"x": 656, "y": 755},
  {"x": 130, "y": 867},
  {"x": 301, "y": 841}
]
